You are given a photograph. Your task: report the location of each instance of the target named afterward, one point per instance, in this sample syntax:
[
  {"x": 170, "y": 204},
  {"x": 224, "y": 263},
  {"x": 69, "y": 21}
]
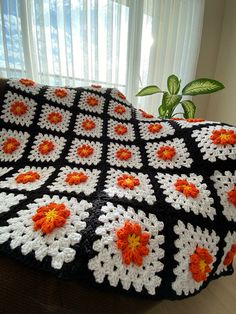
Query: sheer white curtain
[{"x": 122, "y": 43}]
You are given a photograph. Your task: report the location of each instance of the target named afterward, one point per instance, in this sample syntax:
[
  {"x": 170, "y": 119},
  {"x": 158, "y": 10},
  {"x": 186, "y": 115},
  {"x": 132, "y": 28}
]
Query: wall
[
  {"x": 222, "y": 106},
  {"x": 210, "y": 44}
]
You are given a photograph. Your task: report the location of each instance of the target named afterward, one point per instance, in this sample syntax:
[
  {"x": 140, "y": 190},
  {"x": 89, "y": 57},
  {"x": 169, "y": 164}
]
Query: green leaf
[
  {"x": 189, "y": 109},
  {"x": 173, "y": 84},
  {"x": 169, "y": 101},
  {"x": 149, "y": 90},
  {"x": 161, "y": 111},
  {"x": 202, "y": 86}
]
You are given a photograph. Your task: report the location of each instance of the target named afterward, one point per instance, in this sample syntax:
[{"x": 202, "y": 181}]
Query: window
[{"x": 120, "y": 43}]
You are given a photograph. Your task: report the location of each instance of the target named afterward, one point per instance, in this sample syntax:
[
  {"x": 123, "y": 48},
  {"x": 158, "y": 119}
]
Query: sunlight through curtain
[{"x": 122, "y": 43}]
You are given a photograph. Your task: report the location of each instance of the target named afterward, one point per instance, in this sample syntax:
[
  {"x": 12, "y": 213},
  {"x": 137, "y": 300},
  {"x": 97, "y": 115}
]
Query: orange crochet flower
[
  {"x": 18, "y": 108},
  {"x": 230, "y": 255},
  {"x": 195, "y": 120},
  {"x": 127, "y": 181},
  {"x": 92, "y": 101},
  {"x": 123, "y": 154},
  {"x": 60, "y": 92},
  {"x": 145, "y": 114},
  {"x": 10, "y": 145},
  {"x": 96, "y": 86},
  {"x": 27, "y": 82},
  {"x": 120, "y": 95},
  {"x": 119, "y": 109},
  {"x": 76, "y": 178},
  {"x": 88, "y": 124},
  {"x": 84, "y": 151},
  {"x": 120, "y": 129},
  {"x": 154, "y": 127},
  {"x": 49, "y": 217},
  {"x": 177, "y": 119},
  {"x": 133, "y": 243},
  {"x": 223, "y": 137},
  {"x": 54, "y": 117},
  {"x": 27, "y": 177},
  {"x": 199, "y": 264},
  {"x": 45, "y": 147},
  {"x": 232, "y": 196},
  {"x": 166, "y": 152},
  {"x": 188, "y": 189}
]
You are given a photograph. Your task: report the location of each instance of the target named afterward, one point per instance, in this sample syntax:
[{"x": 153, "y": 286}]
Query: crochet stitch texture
[{"x": 92, "y": 188}]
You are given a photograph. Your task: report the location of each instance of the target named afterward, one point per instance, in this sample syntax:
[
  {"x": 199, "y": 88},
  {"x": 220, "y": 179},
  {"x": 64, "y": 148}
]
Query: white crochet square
[
  {"x": 4, "y": 170},
  {"x": 134, "y": 161},
  {"x": 230, "y": 240},
  {"x": 46, "y": 119},
  {"x": 59, "y": 244},
  {"x": 129, "y": 135},
  {"x": 80, "y": 127},
  {"x": 119, "y": 96},
  {"x": 66, "y": 100},
  {"x": 108, "y": 261},
  {"x": 202, "y": 204},
  {"x": 32, "y": 88},
  {"x": 179, "y": 160},
  {"x": 224, "y": 183},
  {"x": 54, "y": 154},
  {"x": 95, "y": 157},
  {"x": 96, "y": 88},
  {"x": 144, "y": 116},
  {"x": 7, "y": 200},
  {"x": 91, "y": 102},
  {"x": 87, "y": 187},
  {"x": 188, "y": 125},
  {"x": 43, "y": 172},
  {"x": 140, "y": 193},
  {"x": 146, "y": 134},
  {"x": 20, "y": 137},
  {"x": 189, "y": 238},
  {"x": 212, "y": 151},
  {"x": 18, "y": 109},
  {"x": 118, "y": 111}
]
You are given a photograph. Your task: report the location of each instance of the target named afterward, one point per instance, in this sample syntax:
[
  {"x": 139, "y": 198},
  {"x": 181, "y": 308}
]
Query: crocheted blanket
[{"x": 93, "y": 189}]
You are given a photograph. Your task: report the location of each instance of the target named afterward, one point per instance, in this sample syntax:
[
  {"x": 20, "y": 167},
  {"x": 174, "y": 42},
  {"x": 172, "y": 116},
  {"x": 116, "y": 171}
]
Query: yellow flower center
[
  {"x": 202, "y": 266},
  {"x": 133, "y": 241},
  {"x": 50, "y": 215},
  {"x": 225, "y": 137}
]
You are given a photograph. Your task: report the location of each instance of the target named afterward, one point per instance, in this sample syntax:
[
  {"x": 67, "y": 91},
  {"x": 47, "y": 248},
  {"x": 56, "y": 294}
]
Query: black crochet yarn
[{"x": 92, "y": 189}]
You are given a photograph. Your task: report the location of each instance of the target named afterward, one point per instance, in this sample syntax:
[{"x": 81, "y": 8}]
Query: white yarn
[
  {"x": 128, "y": 136},
  {"x": 223, "y": 183},
  {"x": 28, "y": 89},
  {"x": 189, "y": 239},
  {"x": 67, "y": 101},
  {"x": 59, "y": 143},
  {"x": 44, "y": 173},
  {"x": 122, "y": 116},
  {"x": 87, "y": 187},
  {"x": 7, "y": 200},
  {"x": 230, "y": 240},
  {"x": 60, "y": 126},
  {"x": 180, "y": 159},
  {"x": 93, "y": 159},
  {"x": 108, "y": 262},
  {"x": 24, "y": 119},
  {"x": 145, "y": 134},
  {"x": 21, "y": 137},
  {"x": 212, "y": 151},
  {"x": 142, "y": 192},
  {"x": 83, "y": 105},
  {"x": 59, "y": 243},
  {"x": 95, "y": 132},
  {"x": 202, "y": 204},
  {"x": 134, "y": 161}
]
